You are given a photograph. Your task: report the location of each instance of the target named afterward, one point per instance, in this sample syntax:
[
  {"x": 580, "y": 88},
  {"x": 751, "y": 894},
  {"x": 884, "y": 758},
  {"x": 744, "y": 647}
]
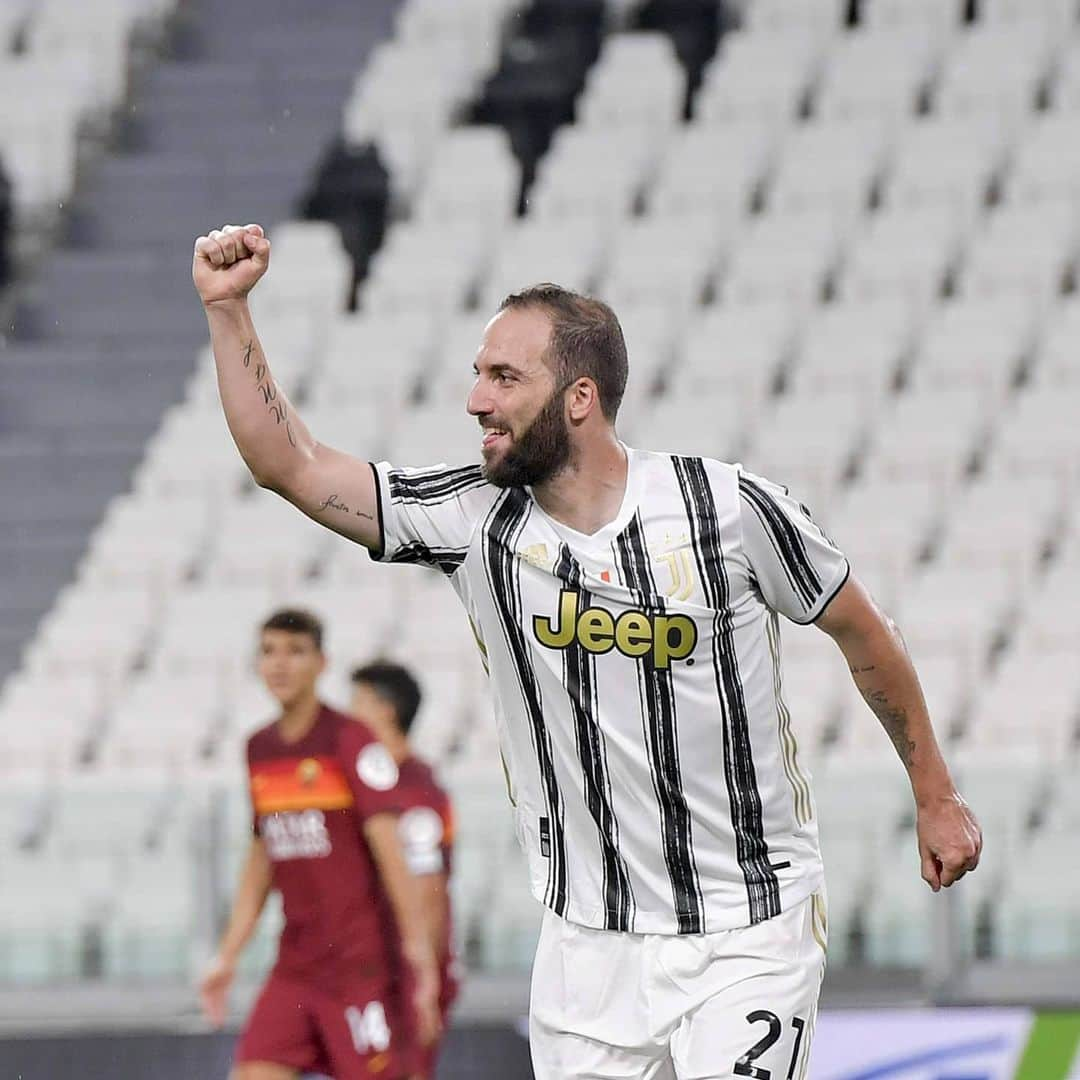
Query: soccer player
[
  {"x": 325, "y": 800},
  {"x": 627, "y": 603},
  {"x": 386, "y": 697}
]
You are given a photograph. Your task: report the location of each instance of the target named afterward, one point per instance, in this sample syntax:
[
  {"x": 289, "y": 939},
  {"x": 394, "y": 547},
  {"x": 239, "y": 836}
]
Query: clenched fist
[{"x": 229, "y": 262}]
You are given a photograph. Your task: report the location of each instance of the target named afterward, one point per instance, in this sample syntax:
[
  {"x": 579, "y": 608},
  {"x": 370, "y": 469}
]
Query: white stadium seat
[
  {"x": 948, "y": 160},
  {"x": 660, "y": 263},
  {"x": 789, "y": 257},
  {"x": 638, "y": 82},
  {"x": 1029, "y": 249},
  {"x": 760, "y": 78},
  {"x": 980, "y": 343},
  {"x": 287, "y": 548},
  {"x": 1047, "y": 162},
  {"x": 856, "y": 346},
  {"x": 690, "y": 183},
  {"x": 885, "y": 524},
  {"x": 1007, "y": 522},
  {"x": 473, "y": 177},
  {"x": 736, "y": 351},
  {"x": 940, "y": 15},
  {"x": 880, "y": 75},
  {"x": 996, "y": 67},
  {"x": 598, "y": 174},
  {"x": 1040, "y": 431},
  {"x": 1055, "y": 360},
  {"x": 932, "y": 433},
  {"x": 532, "y": 250},
  {"x": 701, "y": 424},
  {"x": 811, "y": 439},
  {"x": 906, "y": 252},
  {"x": 834, "y": 165},
  {"x": 1009, "y": 712},
  {"x": 375, "y": 356}
]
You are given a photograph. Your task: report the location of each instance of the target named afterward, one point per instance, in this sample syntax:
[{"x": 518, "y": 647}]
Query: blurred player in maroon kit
[
  {"x": 386, "y": 697},
  {"x": 326, "y": 799}
]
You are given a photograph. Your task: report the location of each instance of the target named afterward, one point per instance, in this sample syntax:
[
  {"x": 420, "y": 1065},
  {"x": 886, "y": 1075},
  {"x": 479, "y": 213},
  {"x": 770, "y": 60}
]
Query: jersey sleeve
[
  {"x": 255, "y": 829},
  {"x": 796, "y": 565},
  {"x": 370, "y": 771},
  {"x": 423, "y": 840},
  {"x": 427, "y": 516}
]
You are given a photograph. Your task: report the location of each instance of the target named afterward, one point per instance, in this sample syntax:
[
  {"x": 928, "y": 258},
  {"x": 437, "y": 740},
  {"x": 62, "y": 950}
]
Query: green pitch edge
[{"x": 1051, "y": 1047}]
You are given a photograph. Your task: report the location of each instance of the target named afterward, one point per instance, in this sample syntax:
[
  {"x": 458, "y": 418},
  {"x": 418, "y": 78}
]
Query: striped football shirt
[{"x": 654, "y": 775}]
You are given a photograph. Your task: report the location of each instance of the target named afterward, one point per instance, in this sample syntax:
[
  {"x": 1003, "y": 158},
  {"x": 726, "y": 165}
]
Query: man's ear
[{"x": 583, "y": 400}]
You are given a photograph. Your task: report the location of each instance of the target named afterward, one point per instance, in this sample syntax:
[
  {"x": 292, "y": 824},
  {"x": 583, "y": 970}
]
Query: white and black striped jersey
[{"x": 636, "y": 680}]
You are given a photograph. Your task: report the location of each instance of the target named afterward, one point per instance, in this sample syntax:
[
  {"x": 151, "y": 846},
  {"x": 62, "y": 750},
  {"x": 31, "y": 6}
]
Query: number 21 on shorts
[
  {"x": 368, "y": 1027},
  {"x": 745, "y": 1065}
]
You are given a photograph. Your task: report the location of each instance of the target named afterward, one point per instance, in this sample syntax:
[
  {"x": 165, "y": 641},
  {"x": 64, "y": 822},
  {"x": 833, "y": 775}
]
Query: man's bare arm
[
  {"x": 432, "y": 889},
  {"x": 333, "y": 488},
  {"x": 248, "y": 903},
  {"x": 949, "y": 836},
  {"x": 381, "y": 833}
]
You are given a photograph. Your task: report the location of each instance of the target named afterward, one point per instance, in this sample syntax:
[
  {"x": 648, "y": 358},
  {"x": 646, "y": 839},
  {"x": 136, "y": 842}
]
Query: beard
[{"x": 539, "y": 454}]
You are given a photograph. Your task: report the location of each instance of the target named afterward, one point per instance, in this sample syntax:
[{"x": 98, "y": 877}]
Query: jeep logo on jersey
[{"x": 633, "y": 633}]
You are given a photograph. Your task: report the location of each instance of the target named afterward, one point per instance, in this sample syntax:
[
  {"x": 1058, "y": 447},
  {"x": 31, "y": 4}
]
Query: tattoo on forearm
[
  {"x": 863, "y": 670},
  {"x": 332, "y": 502},
  {"x": 894, "y": 720},
  {"x": 268, "y": 391}
]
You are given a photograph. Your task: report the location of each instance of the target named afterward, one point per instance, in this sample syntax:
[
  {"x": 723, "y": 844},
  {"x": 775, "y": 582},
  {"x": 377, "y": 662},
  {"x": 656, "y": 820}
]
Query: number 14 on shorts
[
  {"x": 745, "y": 1065},
  {"x": 368, "y": 1027}
]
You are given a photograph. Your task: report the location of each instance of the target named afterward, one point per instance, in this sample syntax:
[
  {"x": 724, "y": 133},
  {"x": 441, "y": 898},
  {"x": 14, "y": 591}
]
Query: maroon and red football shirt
[{"x": 310, "y": 799}]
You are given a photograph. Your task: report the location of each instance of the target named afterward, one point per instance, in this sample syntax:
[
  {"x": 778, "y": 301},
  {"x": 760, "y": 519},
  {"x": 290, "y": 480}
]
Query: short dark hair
[
  {"x": 395, "y": 685},
  {"x": 586, "y": 339},
  {"x": 296, "y": 621}
]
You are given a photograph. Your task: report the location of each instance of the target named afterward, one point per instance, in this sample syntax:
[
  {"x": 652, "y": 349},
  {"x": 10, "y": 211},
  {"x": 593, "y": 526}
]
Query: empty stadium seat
[
  {"x": 853, "y": 345},
  {"x": 690, "y": 184},
  {"x": 834, "y": 165},
  {"x": 985, "y": 527},
  {"x": 375, "y": 356},
  {"x": 1040, "y": 431},
  {"x": 1046, "y": 165},
  {"x": 932, "y": 433},
  {"x": 880, "y": 74},
  {"x": 948, "y": 160},
  {"x": 785, "y": 257},
  {"x": 1007, "y": 713},
  {"x": 761, "y": 78},
  {"x": 1030, "y": 249},
  {"x": 996, "y": 67},
  {"x": 473, "y": 177},
  {"x": 637, "y": 82},
  {"x": 736, "y": 351},
  {"x": 886, "y": 524},
  {"x": 906, "y": 253},
  {"x": 533, "y": 250},
  {"x": 982, "y": 343},
  {"x": 598, "y": 174},
  {"x": 942, "y": 16},
  {"x": 660, "y": 263},
  {"x": 811, "y": 440}
]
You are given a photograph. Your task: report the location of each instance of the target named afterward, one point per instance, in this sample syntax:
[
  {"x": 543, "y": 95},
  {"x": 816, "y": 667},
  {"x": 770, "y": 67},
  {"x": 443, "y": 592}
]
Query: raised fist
[{"x": 229, "y": 261}]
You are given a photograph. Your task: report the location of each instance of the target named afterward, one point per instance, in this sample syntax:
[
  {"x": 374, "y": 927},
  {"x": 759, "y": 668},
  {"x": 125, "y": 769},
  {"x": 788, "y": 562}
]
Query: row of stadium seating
[
  {"x": 114, "y": 874},
  {"x": 64, "y": 67}
]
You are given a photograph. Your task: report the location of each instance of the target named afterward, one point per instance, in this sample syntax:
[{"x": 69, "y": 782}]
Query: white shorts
[{"x": 739, "y": 1003}]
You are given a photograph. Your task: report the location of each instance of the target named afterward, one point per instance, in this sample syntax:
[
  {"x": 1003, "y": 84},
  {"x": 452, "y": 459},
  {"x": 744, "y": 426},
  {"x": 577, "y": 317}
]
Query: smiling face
[
  {"x": 526, "y": 438},
  {"x": 290, "y": 664}
]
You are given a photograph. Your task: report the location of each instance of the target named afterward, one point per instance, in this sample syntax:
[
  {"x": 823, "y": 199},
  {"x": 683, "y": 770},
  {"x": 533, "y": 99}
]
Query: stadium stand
[{"x": 845, "y": 247}]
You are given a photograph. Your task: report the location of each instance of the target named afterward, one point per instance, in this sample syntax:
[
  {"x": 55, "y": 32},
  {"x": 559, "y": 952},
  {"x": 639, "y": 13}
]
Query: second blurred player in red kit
[{"x": 386, "y": 697}]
